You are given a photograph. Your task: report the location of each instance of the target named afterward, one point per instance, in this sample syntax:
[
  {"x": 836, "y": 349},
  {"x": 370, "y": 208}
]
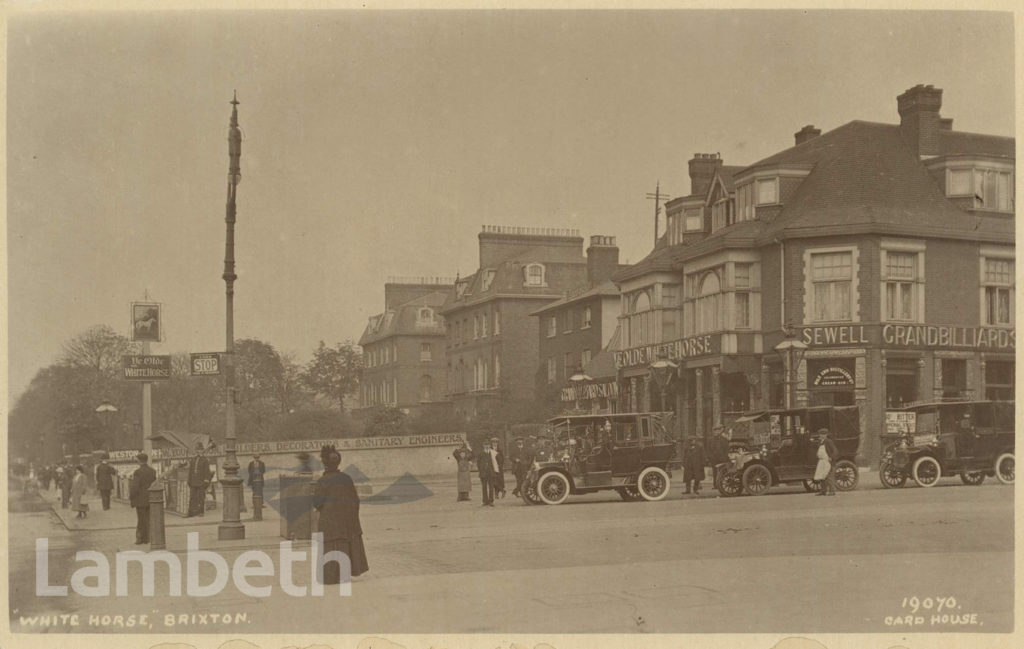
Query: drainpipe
[{"x": 782, "y": 282}]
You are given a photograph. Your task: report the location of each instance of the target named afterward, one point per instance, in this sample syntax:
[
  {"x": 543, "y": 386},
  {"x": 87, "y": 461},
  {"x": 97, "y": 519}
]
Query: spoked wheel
[
  {"x": 810, "y": 486},
  {"x": 653, "y": 483},
  {"x": 891, "y": 477},
  {"x": 757, "y": 480},
  {"x": 973, "y": 478},
  {"x": 1004, "y": 468},
  {"x": 529, "y": 494},
  {"x": 553, "y": 488},
  {"x": 926, "y": 471},
  {"x": 629, "y": 494},
  {"x": 730, "y": 483},
  {"x": 846, "y": 475}
]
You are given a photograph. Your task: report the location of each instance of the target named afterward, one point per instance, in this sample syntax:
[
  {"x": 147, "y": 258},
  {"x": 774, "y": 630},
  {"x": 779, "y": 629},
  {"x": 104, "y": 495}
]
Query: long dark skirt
[{"x": 356, "y": 552}]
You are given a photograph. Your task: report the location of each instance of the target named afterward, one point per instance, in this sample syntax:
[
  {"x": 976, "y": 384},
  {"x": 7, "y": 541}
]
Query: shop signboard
[
  {"x": 142, "y": 367},
  {"x": 911, "y": 336},
  {"x": 900, "y": 423}
]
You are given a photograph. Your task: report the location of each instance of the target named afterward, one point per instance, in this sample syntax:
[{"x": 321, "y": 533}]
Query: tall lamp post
[
  {"x": 662, "y": 369},
  {"x": 792, "y": 350},
  {"x": 105, "y": 410},
  {"x": 231, "y": 527}
]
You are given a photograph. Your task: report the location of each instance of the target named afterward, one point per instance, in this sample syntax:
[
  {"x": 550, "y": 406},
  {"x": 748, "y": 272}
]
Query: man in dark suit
[
  {"x": 521, "y": 461},
  {"x": 138, "y": 494},
  {"x": 256, "y": 470},
  {"x": 693, "y": 466},
  {"x": 198, "y": 482},
  {"x": 105, "y": 481},
  {"x": 336, "y": 499},
  {"x": 490, "y": 463},
  {"x": 718, "y": 451}
]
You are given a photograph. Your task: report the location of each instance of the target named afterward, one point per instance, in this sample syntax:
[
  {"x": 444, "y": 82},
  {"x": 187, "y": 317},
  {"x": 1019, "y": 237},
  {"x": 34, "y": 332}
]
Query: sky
[{"x": 376, "y": 144}]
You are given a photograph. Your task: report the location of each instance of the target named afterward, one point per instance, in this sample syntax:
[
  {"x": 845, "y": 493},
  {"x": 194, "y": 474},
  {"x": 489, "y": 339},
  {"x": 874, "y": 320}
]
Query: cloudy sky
[{"x": 377, "y": 144}]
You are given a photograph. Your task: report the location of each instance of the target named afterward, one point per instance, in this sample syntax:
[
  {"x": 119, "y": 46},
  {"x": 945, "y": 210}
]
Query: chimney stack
[
  {"x": 702, "y": 171},
  {"x": 602, "y": 259},
  {"x": 919, "y": 118},
  {"x": 806, "y": 133}
]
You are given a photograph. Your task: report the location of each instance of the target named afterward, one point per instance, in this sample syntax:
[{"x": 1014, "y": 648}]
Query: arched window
[
  {"x": 426, "y": 388},
  {"x": 641, "y": 320},
  {"x": 708, "y": 304},
  {"x": 642, "y": 302},
  {"x": 534, "y": 275}
]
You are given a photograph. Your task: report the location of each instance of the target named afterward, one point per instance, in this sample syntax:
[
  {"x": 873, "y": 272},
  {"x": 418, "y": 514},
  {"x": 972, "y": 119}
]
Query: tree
[
  {"x": 385, "y": 420},
  {"x": 98, "y": 347},
  {"x": 334, "y": 372}
]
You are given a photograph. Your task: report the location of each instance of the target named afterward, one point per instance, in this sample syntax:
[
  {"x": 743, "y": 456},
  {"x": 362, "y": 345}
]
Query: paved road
[{"x": 785, "y": 562}]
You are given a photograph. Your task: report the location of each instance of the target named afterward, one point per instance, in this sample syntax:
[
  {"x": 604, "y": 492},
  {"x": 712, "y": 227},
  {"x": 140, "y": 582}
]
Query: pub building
[{"x": 885, "y": 250}]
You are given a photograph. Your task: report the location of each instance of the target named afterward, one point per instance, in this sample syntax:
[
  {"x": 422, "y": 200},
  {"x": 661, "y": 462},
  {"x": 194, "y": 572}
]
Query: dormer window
[
  {"x": 425, "y": 316},
  {"x": 460, "y": 289},
  {"x": 534, "y": 275},
  {"x": 990, "y": 189},
  {"x": 694, "y": 220},
  {"x": 488, "y": 278}
]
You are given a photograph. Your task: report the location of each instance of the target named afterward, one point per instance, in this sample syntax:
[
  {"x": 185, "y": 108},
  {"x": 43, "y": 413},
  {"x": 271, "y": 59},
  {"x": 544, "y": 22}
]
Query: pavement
[{"x": 786, "y": 562}]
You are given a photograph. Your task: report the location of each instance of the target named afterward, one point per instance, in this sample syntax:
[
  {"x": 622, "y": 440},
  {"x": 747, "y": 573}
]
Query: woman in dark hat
[{"x": 336, "y": 499}]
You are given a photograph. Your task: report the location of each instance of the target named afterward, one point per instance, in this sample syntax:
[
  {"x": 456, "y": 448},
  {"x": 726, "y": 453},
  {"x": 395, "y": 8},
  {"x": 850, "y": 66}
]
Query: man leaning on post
[{"x": 138, "y": 493}]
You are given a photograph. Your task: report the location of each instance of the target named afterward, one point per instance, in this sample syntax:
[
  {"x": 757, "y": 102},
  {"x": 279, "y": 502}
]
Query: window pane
[
  {"x": 959, "y": 182},
  {"x": 901, "y": 265},
  {"x": 742, "y": 272},
  {"x": 1004, "y": 305},
  {"x": 743, "y": 310},
  {"x": 766, "y": 192},
  {"x": 906, "y": 302},
  {"x": 821, "y": 298},
  {"x": 998, "y": 271}
]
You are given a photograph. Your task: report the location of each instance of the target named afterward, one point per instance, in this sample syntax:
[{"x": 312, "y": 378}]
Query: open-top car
[
  {"x": 925, "y": 441},
  {"x": 774, "y": 447},
  {"x": 631, "y": 453}
]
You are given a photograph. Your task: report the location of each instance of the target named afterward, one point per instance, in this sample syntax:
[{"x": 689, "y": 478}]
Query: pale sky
[{"x": 377, "y": 144}]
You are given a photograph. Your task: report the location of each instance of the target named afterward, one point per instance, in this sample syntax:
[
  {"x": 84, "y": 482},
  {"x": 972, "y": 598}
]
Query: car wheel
[
  {"x": 730, "y": 483},
  {"x": 529, "y": 494},
  {"x": 973, "y": 478},
  {"x": 629, "y": 494},
  {"x": 810, "y": 486},
  {"x": 653, "y": 483},
  {"x": 1004, "y": 468},
  {"x": 926, "y": 471},
  {"x": 846, "y": 475},
  {"x": 553, "y": 488},
  {"x": 891, "y": 477},
  {"x": 757, "y": 479}
]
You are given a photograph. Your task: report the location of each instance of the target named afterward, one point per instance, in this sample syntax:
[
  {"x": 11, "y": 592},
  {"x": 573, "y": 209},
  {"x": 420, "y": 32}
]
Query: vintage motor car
[
  {"x": 631, "y": 453},
  {"x": 781, "y": 446},
  {"x": 926, "y": 441}
]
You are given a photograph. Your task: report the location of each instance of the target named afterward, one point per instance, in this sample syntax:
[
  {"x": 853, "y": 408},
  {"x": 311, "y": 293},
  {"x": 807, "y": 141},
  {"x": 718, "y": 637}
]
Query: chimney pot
[
  {"x": 806, "y": 133},
  {"x": 703, "y": 167},
  {"x": 919, "y": 118}
]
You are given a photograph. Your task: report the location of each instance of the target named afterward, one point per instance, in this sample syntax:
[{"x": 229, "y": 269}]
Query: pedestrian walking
[
  {"x": 823, "y": 473},
  {"x": 257, "y": 469},
  {"x": 198, "y": 482},
  {"x": 521, "y": 462},
  {"x": 718, "y": 452},
  {"x": 105, "y": 481},
  {"x": 464, "y": 457},
  {"x": 67, "y": 476},
  {"x": 138, "y": 494},
  {"x": 336, "y": 499},
  {"x": 693, "y": 466},
  {"x": 78, "y": 487}
]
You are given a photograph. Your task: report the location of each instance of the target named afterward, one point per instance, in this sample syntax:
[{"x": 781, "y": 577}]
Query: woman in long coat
[
  {"x": 78, "y": 488},
  {"x": 336, "y": 499},
  {"x": 464, "y": 457}
]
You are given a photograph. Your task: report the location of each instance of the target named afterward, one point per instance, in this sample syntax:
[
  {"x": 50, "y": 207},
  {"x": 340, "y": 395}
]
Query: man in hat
[
  {"x": 336, "y": 499},
  {"x": 105, "y": 481},
  {"x": 521, "y": 461},
  {"x": 693, "y": 466},
  {"x": 490, "y": 464},
  {"x": 198, "y": 482},
  {"x": 718, "y": 451},
  {"x": 256, "y": 470},
  {"x": 138, "y": 494}
]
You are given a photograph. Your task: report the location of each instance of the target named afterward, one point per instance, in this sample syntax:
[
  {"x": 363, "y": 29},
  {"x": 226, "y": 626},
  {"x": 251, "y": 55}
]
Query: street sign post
[{"x": 205, "y": 364}]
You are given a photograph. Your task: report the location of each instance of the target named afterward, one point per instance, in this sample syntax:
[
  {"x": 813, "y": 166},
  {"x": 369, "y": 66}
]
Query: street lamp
[
  {"x": 663, "y": 369},
  {"x": 792, "y": 350},
  {"x": 231, "y": 527},
  {"x": 104, "y": 410}
]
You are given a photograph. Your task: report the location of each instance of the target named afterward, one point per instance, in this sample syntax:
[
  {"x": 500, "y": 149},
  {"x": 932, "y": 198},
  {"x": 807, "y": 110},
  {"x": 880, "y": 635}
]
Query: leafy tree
[
  {"x": 100, "y": 348},
  {"x": 334, "y": 372},
  {"x": 385, "y": 420}
]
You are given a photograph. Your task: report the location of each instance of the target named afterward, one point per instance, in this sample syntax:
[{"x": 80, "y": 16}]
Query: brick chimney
[
  {"x": 602, "y": 259},
  {"x": 919, "y": 118},
  {"x": 806, "y": 133},
  {"x": 702, "y": 171}
]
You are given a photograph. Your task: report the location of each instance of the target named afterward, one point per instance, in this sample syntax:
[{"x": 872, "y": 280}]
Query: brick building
[
  {"x": 887, "y": 248},
  {"x": 492, "y": 354},
  {"x": 574, "y": 332},
  {"x": 404, "y": 349}
]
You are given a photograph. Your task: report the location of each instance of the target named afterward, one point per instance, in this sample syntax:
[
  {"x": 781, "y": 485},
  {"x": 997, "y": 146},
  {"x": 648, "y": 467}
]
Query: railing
[
  {"x": 421, "y": 281},
  {"x": 538, "y": 232}
]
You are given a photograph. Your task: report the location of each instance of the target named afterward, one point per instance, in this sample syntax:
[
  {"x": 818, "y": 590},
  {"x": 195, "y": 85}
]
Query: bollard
[
  {"x": 156, "y": 516},
  {"x": 257, "y": 507}
]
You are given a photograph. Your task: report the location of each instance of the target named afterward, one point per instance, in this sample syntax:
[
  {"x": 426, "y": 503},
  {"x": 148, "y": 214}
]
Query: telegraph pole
[
  {"x": 656, "y": 197},
  {"x": 231, "y": 527}
]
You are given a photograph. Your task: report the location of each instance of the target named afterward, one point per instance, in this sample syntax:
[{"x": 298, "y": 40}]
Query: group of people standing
[
  {"x": 490, "y": 464},
  {"x": 73, "y": 485}
]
